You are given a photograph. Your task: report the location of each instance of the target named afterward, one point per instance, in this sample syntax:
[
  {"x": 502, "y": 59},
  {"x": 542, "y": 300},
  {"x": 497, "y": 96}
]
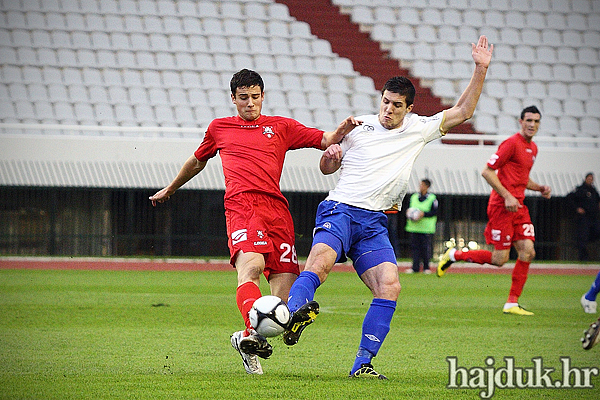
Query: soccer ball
[
  {"x": 269, "y": 316},
  {"x": 413, "y": 213}
]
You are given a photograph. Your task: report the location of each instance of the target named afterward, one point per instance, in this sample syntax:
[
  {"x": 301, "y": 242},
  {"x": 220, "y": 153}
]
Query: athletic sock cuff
[
  {"x": 314, "y": 278},
  {"x": 384, "y": 303}
]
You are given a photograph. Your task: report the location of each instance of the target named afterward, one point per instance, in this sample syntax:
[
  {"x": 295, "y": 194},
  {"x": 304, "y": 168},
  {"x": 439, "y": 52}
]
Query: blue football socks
[
  {"x": 303, "y": 290},
  {"x": 593, "y": 292},
  {"x": 376, "y": 326}
]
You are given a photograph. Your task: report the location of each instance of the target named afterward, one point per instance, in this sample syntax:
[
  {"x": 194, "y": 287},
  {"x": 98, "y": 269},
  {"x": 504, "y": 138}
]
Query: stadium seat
[
  {"x": 592, "y": 107},
  {"x": 568, "y": 126},
  {"x": 536, "y": 89},
  {"x": 424, "y": 51},
  {"x": 590, "y": 126},
  {"x": 557, "y": 90},
  {"x": 362, "y": 103},
  {"x": 104, "y": 113},
  {"x": 488, "y": 105},
  {"x": 36, "y": 92},
  {"x": 117, "y": 94},
  {"x": 409, "y": 16},
  {"x": 402, "y": 51},
  {"x": 552, "y": 107},
  {"x": 486, "y": 123},
  {"x": 15, "y": 91},
  {"x": 317, "y": 100},
  {"x": 339, "y": 101},
  {"x": 541, "y": 72},
  {"x": 324, "y": 119},
  {"x": 384, "y": 15},
  {"x": 138, "y": 95},
  {"x": 511, "y": 106}
]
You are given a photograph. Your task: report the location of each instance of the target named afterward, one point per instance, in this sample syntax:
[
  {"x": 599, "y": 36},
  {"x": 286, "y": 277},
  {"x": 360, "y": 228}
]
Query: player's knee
[
  {"x": 527, "y": 255},
  {"x": 395, "y": 289},
  {"x": 500, "y": 258},
  {"x": 249, "y": 272},
  {"x": 388, "y": 290}
]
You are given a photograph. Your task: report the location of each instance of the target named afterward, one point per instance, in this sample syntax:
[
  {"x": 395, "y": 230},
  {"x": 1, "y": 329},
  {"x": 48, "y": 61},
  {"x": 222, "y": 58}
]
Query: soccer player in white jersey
[{"x": 376, "y": 159}]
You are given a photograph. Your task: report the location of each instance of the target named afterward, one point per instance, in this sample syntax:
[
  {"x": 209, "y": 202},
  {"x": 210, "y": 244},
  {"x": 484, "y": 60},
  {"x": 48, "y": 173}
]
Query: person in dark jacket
[{"x": 585, "y": 201}]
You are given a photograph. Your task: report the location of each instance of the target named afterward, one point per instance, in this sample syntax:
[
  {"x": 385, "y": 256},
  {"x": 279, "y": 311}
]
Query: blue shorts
[{"x": 360, "y": 234}]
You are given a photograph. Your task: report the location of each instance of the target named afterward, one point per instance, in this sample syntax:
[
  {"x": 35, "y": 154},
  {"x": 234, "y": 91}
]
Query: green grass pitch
[{"x": 165, "y": 335}]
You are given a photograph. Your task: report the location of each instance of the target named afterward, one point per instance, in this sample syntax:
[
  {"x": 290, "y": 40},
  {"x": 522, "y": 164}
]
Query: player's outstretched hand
[
  {"x": 482, "y": 52},
  {"x": 346, "y": 126},
  {"x": 160, "y": 197},
  {"x": 546, "y": 191}
]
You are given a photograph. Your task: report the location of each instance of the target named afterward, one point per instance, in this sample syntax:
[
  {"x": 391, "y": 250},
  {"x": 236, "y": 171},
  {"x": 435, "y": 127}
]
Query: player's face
[
  {"x": 392, "y": 110},
  {"x": 248, "y": 101},
  {"x": 530, "y": 125}
]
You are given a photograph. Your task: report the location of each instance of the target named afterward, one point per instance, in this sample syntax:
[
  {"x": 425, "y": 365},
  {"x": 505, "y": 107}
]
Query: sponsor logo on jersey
[
  {"x": 261, "y": 243},
  {"x": 369, "y": 128},
  {"x": 239, "y": 236},
  {"x": 260, "y": 234},
  {"x": 327, "y": 225}
]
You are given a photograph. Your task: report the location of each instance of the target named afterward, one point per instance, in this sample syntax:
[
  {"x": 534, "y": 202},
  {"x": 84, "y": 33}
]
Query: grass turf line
[{"x": 165, "y": 335}]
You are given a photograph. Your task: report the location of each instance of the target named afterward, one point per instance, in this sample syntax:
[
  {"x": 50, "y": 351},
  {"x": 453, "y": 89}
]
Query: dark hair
[
  {"x": 246, "y": 78},
  {"x": 530, "y": 109},
  {"x": 402, "y": 86},
  {"x": 427, "y": 182}
]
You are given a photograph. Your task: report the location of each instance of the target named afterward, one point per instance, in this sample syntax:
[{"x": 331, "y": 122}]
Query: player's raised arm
[
  {"x": 189, "y": 169},
  {"x": 465, "y": 107},
  {"x": 336, "y": 136}
]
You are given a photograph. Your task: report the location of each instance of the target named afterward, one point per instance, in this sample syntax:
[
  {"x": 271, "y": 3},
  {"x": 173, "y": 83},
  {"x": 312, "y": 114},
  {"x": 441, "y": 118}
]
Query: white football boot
[{"x": 251, "y": 362}]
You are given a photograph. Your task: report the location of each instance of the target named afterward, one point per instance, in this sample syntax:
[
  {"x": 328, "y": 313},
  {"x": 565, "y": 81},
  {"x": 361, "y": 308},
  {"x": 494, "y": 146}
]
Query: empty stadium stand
[{"x": 167, "y": 63}]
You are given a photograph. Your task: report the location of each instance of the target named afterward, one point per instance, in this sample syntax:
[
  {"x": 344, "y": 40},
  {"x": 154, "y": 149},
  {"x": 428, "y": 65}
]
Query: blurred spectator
[
  {"x": 421, "y": 219},
  {"x": 585, "y": 201}
]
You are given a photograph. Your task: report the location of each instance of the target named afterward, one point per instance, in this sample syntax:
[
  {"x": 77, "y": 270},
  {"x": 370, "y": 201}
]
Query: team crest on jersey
[{"x": 268, "y": 131}]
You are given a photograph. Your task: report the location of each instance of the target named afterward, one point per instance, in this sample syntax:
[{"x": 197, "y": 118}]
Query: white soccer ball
[
  {"x": 413, "y": 213},
  {"x": 269, "y": 316}
]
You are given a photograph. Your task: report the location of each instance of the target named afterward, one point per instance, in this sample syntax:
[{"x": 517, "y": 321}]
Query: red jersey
[
  {"x": 513, "y": 161},
  {"x": 253, "y": 152}
]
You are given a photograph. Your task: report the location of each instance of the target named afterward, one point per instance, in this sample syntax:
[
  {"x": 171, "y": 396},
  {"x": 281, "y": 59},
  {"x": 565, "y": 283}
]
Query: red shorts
[
  {"x": 262, "y": 224},
  {"x": 505, "y": 227}
]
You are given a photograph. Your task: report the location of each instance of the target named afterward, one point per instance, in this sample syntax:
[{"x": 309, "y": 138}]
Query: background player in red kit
[
  {"x": 509, "y": 223},
  {"x": 252, "y": 148}
]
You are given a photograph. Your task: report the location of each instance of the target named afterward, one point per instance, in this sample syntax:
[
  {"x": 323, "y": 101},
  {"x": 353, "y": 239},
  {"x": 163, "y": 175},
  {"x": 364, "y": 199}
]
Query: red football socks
[
  {"x": 519, "y": 277},
  {"x": 246, "y": 294},
  {"x": 476, "y": 256}
]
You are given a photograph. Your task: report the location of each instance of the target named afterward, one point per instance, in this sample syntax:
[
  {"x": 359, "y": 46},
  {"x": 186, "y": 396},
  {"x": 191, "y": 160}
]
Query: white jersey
[{"x": 377, "y": 162}]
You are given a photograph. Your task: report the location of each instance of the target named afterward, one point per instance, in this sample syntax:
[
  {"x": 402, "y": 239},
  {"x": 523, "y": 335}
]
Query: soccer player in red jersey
[
  {"x": 252, "y": 148},
  {"x": 509, "y": 224}
]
